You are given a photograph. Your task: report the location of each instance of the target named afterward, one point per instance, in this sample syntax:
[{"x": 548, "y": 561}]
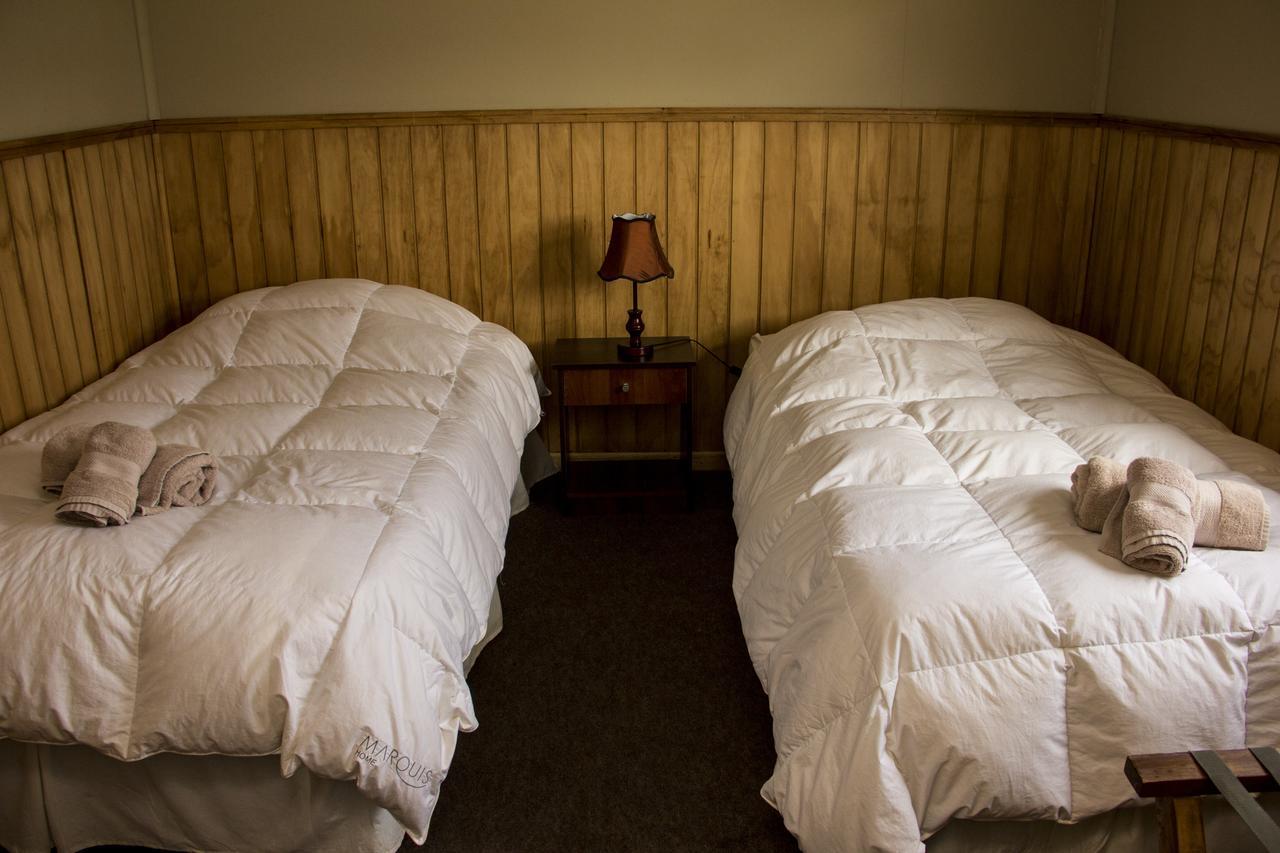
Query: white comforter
[
  {"x": 937, "y": 638},
  {"x": 321, "y": 606}
]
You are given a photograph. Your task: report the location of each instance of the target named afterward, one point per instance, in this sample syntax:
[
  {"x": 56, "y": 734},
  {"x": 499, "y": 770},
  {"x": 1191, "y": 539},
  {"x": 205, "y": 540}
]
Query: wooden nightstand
[{"x": 589, "y": 373}]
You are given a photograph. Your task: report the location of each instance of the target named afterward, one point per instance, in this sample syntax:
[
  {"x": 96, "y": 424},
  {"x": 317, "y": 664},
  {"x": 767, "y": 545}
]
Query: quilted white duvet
[
  {"x": 937, "y": 638},
  {"x": 321, "y": 606}
]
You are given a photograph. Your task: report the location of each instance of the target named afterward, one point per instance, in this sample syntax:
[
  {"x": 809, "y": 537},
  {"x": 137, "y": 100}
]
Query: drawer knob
[{"x": 626, "y": 387}]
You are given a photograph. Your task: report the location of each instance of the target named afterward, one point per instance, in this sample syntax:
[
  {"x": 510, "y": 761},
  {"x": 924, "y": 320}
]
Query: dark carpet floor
[{"x": 618, "y": 709}]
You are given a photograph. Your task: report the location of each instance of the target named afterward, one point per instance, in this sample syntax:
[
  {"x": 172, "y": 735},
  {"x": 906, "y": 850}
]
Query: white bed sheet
[
  {"x": 321, "y": 608},
  {"x": 937, "y": 638}
]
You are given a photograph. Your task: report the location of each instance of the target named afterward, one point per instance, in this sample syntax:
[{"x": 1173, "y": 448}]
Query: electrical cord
[{"x": 733, "y": 370}]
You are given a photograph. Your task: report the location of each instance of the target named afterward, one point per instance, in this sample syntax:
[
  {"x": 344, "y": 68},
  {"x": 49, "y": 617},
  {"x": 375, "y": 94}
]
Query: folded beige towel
[
  {"x": 103, "y": 488},
  {"x": 1095, "y": 487},
  {"x": 1152, "y": 526},
  {"x": 1227, "y": 514},
  {"x": 60, "y": 455},
  {"x": 177, "y": 476}
]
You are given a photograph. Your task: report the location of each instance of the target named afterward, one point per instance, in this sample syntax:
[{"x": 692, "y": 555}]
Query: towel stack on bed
[
  {"x": 106, "y": 474},
  {"x": 1152, "y": 511}
]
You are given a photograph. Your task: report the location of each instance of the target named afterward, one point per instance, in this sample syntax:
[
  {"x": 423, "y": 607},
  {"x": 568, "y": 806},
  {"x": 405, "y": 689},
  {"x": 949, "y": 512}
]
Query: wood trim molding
[
  {"x": 629, "y": 114},
  {"x": 1200, "y": 133},
  {"x": 73, "y": 139}
]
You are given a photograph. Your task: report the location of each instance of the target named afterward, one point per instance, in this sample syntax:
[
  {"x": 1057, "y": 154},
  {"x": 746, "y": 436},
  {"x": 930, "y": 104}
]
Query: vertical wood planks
[
  {"x": 715, "y": 161},
  {"x": 396, "y": 166},
  {"x": 1162, "y": 244},
  {"x": 838, "y": 221},
  {"x": 366, "y": 203}
]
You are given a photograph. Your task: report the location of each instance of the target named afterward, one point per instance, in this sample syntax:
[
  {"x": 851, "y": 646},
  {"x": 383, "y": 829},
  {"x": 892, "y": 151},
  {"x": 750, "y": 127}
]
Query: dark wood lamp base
[
  {"x": 634, "y": 349},
  {"x": 627, "y": 352}
]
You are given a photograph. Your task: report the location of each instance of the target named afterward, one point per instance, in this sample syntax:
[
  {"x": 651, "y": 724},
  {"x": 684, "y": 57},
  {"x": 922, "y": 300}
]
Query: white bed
[
  {"x": 938, "y": 640},
  {"x": 313, "y": 621}
]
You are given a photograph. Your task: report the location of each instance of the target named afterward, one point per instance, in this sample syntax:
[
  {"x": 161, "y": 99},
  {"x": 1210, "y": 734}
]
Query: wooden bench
[{"x": 1176, "y": 782}]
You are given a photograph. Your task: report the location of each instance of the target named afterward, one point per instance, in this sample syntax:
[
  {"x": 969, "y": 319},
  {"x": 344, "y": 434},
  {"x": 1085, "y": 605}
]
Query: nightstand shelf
[{"x": 590, "y": 374}]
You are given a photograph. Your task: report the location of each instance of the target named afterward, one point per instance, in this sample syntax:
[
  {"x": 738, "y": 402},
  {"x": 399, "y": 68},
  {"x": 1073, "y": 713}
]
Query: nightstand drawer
[{"x": 618, "y": 386}]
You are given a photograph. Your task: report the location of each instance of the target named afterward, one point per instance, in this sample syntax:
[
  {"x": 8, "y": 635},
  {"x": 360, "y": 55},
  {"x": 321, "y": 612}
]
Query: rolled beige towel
[
  {"x": 1095, "y": 487},
  {"x": 1231, "y": 515},
  {"x": 178, "y": 476},
  {"x": 60, "y": 456},
  {"x": 1153, "y": 526},
  {"x": 1227, "y": 514},
  {"x": 103, "y": 488}
]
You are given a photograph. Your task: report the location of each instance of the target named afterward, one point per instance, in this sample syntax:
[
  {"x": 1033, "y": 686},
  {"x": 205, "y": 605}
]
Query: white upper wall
[
  {"x": 1197, "y": 62},
  {"x": 68, "y": 65},
  {"x": 248, "y": 57}
]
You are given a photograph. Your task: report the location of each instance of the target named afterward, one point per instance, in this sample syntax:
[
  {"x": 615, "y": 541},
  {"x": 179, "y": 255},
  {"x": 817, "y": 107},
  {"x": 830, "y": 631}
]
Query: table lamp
[{"x": 634, "y": 253}]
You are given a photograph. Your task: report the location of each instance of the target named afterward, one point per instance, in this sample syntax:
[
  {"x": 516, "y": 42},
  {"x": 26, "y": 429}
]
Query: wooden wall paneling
[
  {"x": 1151, "y": 315},
  {"x": 1156, "y": 239},
  {"x": 184, "y": 224},
  {"x": 1122, "y": 243},
  {"x": 215, "y": 215},
  {"x": 126, "y": 291},
  {"x": 808, "y": 226},
  {"x": 683, "y": 237},
  {"x": 91, "y": 258},
  {"x": 555, "y": 167},
  {"x": 1101, "y": 244},
  {"x": 1082, "y": 186},
  {"x": 962, "y": 208},
  {"x": 494, "y": 213},
  {"x": 462, "y": 225},
  {"x": 586, "y": 144},
  {"x": 1230, "y": 237},
  {"x": 619, "y": 197},
  {"x": 272, "y": 183},
  {"x": 715, "y": 170},
  {"x": 526, "y": 237},
  {"x": 247, "y": 250},
  {"x": 34, "y": 283},
  {"x": 13, "y": 403},
  {"x": 651, "y": 197},
  {"x": 900, "y": 215},
  {"x": 17, "y": 314},
  {"x": 997, "y": 146},
  {"x": 337, "y": 218},
  {"x": 777, "y": 224},
  {"x": 73, "y": 274},
  {"x": 59, "y": 282},
  {"x": 302, "y": 175},
  {"x": 150, "y": 226},
  {"x": 430, "y": 215},
  {"x": 1245, "y": 286},
  {"x": 1180, "y": 281},
  {"x": 871, "y": 212},
  {"x": 1212, "y": 208},
  {"x": 746, "y": 221},
  {"x": 839, "y": 218},
  {"x": 1262, "y": 348},
  {"x": 111, "y": 307},
  {"x": 1146, "y": 246},
  {"x": 1025, "y": 173},
  {"x": 395, "y": 160},
  {"x": 138, "y": 280},
  {"x": 931, "y": 210},
  {"x": 1045, "y": 281},
  {"x": 13, "y": 408},
  {"x": 366, "y": 203},
  {"x": 168, "y": 268}
]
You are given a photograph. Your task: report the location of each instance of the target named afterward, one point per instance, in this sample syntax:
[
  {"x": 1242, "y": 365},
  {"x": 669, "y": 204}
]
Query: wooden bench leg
[{"x": 1181, "y": 825}]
